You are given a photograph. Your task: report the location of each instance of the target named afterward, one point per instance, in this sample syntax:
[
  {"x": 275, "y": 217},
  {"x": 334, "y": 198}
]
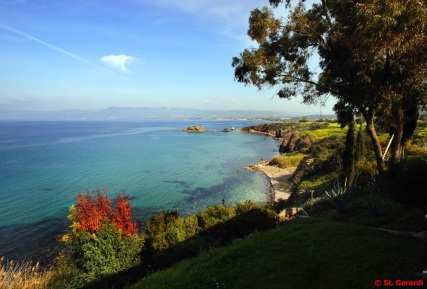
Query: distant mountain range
[{"x": 147, "y": 113}]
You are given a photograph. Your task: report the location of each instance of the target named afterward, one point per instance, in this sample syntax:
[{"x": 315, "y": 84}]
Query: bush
[
  {"x": 107, "y": 251},
  {"x": 102, "y": 238},
  {"x": 248, "y": 221},
  {"x": 214, "y": 215},
  {"x": 89, "y": 213},
  {"x": 367, "y": 167},
  {"x": 287, "y": 160},
  {"x": 171, "y": 238},
  {"x": 164, "y": 230},
  {"x": 244, "y": 207}
]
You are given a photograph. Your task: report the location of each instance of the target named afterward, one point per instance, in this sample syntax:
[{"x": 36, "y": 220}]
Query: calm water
[{"x": 43, "y": 165}]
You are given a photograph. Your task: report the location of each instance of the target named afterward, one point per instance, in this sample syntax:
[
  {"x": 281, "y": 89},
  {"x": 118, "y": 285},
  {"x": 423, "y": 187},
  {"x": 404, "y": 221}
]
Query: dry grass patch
[{"x": 23, "y": 275}]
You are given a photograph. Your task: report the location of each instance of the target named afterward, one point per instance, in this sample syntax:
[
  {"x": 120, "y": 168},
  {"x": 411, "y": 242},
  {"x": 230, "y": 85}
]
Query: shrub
[
  {"x": 214, "y": 215},
  {"x": 164, "y": 230},
  {"x": 121, "y": 216},
  {"x": 102, "y": 238},
  {"x": 248, "y": 221},
  {"x": 367, "y": 167},
  {"x": 287, "y": 160},
  {"x": 89, "y": 213},
  {"x": 107, "y": 251},
  {"x": 338, "y": 195},
  {"x": 244, "y": 207},
  {"x": 171, "y": 238}
]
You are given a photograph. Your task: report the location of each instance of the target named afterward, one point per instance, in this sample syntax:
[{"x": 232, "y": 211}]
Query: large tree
[{"x": 371, "y": 54}]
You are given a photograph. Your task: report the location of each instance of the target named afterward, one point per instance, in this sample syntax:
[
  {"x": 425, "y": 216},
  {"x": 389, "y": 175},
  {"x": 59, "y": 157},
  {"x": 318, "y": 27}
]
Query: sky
[{"x": 95, "y": 54}]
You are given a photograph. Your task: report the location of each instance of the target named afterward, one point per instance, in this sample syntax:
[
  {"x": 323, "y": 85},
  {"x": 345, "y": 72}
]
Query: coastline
[{"x": 279, "y": 179}]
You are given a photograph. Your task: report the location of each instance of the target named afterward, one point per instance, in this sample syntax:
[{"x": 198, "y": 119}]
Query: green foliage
[
  {"x": 323, "y": 149},
  {"x": 319, "y": 181},
  {"x": 170, "y": 237},
  {"x": 338, "y": 195},
  {"x": 245, "y": 207},
  {"x": 363, "y": 64},
  {"x": 96, "y": 254},
  {"x": 287, "y": 160},
  {"x": 214, "y": 215},
  {"x": 250, "y": 219},
  {"x": 106, "y": 251},
  {"x": 367, "y": 167},
  {"x": 165, "y": 230}
]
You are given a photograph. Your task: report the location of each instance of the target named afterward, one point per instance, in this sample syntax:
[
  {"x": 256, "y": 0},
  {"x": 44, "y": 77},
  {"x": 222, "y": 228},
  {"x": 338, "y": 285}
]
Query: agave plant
[{"x": 338, "y": 195}]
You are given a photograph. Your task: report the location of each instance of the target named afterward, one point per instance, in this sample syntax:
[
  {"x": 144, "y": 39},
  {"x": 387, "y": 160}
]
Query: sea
[{"x": 44, "y": 165}]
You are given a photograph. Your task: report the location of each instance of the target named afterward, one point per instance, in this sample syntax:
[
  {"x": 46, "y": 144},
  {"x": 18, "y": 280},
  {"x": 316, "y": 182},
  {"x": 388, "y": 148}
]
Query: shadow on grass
[{"x": 215, "y": 236}]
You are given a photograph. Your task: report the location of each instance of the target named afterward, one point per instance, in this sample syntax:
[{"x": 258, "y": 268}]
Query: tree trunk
[
  {"x": 376, "y": 145},
  {"x": 397, "y": 144}
]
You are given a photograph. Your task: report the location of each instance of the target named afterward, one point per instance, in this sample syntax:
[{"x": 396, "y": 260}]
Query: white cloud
[{"x": 119, "y": 62}]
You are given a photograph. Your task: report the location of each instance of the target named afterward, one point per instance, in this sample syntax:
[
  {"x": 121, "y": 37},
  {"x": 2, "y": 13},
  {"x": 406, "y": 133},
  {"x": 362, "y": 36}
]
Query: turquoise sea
[{"x": 43, "y": 165}]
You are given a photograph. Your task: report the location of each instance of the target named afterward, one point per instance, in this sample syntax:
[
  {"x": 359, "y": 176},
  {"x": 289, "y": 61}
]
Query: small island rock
[
  {"x": 195, "y": 129},
  {"x": 228, "y": 129}
]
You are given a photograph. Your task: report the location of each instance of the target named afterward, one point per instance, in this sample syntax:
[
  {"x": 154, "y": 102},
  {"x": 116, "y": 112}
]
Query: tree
[
  {"x": 349, "y": 158},
  {"x": 359, "y": 153},
  {"x": 372, "y": 56}
]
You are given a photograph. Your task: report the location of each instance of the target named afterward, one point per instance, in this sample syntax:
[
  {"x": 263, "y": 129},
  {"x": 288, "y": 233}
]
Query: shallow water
[{"x": 43, "y": 165}]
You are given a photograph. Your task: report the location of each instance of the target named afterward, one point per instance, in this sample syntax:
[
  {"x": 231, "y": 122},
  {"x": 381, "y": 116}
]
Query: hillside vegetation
[{"x": 306, "y": 253}]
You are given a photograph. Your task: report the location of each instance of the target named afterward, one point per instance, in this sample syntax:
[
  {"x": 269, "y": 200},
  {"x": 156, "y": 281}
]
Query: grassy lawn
[{"x": 309, "y": 253}]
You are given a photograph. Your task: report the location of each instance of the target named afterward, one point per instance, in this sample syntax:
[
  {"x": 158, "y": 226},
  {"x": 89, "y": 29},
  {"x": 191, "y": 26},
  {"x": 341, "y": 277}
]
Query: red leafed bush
[
  {"x": 122, "y": 216},
  {"x": 91, "y": 211}
]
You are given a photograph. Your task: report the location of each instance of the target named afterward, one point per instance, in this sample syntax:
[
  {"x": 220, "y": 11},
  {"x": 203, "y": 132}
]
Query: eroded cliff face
[{"x": 294, "y": 141}]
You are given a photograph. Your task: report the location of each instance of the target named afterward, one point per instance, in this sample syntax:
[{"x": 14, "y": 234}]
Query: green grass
[
  {"x": 318, "y": 182},
  {"x": 287, "y": 160},
  {"x": 331, "y": 129},
  {"x": 309, "y": 253}
]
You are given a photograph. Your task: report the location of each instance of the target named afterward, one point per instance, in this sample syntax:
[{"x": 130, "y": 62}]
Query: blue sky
[{"x": 93, "y": 54}]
